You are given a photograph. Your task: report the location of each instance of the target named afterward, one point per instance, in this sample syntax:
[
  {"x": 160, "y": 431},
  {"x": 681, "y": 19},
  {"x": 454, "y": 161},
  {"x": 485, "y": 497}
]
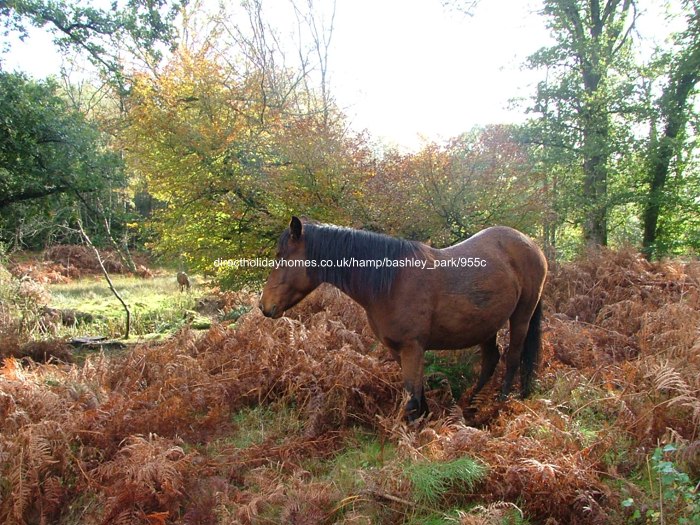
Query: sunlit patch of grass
[
  {"x": 362, "y": 455},
  {"x": 436, "y": 518},
  {"x": 157, "y": 306},
  {"x": 363, "y": 452}
]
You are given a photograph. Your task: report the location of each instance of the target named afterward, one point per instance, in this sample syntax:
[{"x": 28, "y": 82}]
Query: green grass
[
  {"x": 260, "y": 423},
  {"x": 362, "y": 456},
  {"x": 157, "y": 306},
  {"x": 437, "y": 518},
  {"x": 363, "y": 451}
]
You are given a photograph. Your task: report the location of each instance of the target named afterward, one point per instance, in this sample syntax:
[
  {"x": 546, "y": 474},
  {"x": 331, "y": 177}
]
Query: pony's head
[{"x": 290, "y": 281}]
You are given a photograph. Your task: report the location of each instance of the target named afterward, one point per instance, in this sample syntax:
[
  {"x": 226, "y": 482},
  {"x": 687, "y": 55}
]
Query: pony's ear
[{"x": 295, "y": 227}]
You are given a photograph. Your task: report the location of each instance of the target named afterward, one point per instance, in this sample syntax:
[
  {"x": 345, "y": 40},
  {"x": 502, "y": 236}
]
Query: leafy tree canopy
[
  {"x": 47, "y": 148},
  {"x": 138, "y": 25}
]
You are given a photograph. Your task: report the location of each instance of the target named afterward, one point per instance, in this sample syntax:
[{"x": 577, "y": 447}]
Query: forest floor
[{"x": 238, "y": 419}]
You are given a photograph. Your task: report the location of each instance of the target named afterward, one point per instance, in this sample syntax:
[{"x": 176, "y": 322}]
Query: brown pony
[
  {"x": 183, "y": 281},
  {"x": 419, "y": 298}
]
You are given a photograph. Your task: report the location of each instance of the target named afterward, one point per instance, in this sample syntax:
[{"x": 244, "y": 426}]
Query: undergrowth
[
  {"x": 451, "y": 368},
  {"x": 432, "y": 480},
  {"x": 677, "y": 495},
  {"x": 299, "y": 420}
]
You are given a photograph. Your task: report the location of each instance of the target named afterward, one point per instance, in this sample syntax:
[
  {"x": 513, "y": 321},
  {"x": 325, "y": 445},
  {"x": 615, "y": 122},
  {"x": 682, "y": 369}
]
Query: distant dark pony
[
  {"x": 419, "y": 298},
  {"x": 183, "y": 281}
]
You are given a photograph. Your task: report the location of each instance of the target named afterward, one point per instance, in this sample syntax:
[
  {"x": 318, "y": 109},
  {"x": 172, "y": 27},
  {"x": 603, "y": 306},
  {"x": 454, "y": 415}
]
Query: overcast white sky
[{"x": 408, "y": 70}]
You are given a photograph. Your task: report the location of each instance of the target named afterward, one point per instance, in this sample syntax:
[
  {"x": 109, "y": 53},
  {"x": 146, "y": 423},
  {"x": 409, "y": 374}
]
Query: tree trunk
[
  {"x": 596, "y": 138},
  {"x": 595, "y": 191},
  {"x": 674, "y": 110},
  {"x": 658, "y": 173}
]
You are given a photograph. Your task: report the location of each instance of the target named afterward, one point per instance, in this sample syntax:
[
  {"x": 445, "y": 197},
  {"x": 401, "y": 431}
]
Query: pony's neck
[
  {"x": 350, "y": 285},
  {"x": 355, "y": 261}
]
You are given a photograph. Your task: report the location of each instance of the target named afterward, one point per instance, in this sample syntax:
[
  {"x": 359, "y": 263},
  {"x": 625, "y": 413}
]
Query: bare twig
[{"x": 109, "y": 281}]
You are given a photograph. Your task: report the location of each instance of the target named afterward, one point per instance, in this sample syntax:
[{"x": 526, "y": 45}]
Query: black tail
[{"x": 530, "y": 356}]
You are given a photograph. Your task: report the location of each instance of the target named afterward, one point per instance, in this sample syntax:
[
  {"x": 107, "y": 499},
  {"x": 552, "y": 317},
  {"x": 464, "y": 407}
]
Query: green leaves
[
  {"x": 51, "y": 158},
  {"x": 675, "y": 498},
  {"x": 614, "y": 128},
  {"x": 433, "y": 480},
  {"x": 101, "y": 33},
  {"x": 45, "y": 147}
]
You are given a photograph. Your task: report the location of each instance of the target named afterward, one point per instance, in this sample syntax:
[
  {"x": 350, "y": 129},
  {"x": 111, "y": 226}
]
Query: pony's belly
[
  {"x": 459, "y": 321},
  {"x": 462, "y": 334},
  {"x": 454, "y": 343}
]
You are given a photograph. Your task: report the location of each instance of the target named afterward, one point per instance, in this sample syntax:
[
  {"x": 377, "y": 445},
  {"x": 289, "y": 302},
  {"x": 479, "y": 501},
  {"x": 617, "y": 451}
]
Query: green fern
[{"x": 432, "y": 480}]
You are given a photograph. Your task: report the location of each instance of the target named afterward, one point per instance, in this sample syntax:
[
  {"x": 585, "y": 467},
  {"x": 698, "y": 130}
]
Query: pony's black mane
[{"x": 325, "y": 242}]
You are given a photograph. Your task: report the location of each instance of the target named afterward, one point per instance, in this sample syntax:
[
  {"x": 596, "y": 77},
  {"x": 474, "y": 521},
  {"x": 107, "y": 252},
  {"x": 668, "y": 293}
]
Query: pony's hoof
[
  {"x": 415, "y": 411},
  {"x": 526, "y": 392}
]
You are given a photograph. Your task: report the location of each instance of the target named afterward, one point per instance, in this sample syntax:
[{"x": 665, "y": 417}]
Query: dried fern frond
[
  {"x": 492, "y": 514},
  {"x": 147, "y": 474},
  {"x": 666, "y": 378}
]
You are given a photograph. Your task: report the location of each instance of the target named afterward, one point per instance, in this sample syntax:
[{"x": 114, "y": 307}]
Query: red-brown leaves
[{"x": 147, "y": 436}]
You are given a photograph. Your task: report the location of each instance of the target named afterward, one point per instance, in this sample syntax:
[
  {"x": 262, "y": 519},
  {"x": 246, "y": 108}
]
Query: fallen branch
[{"x": 377, "y": 494}]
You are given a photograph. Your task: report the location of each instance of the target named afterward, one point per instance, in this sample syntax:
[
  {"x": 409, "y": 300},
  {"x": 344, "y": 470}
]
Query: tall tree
[
  {"x": 581, "y": 93},
  {"x": 139, "y": 26},
  {"x": 481, "y": 178},
  {"x": 46, "y": 148},
  {"x": 47, "y": 151},
  {"x": 673, "y": 110}
]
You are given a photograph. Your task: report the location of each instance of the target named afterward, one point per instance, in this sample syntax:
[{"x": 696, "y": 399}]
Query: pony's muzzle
[{"x": 268, "y": 313}]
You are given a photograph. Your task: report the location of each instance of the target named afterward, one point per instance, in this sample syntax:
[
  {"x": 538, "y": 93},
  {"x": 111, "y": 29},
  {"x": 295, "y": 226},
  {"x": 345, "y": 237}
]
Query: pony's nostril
[{"x": 270, "y": 312}]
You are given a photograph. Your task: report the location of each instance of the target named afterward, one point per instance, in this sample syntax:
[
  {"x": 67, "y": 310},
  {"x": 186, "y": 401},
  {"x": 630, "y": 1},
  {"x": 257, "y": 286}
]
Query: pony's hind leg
[
  {"x": 531, "y": 351},
  {"x": 518, "y": 331},
  {"x": 489, "y": 359}
]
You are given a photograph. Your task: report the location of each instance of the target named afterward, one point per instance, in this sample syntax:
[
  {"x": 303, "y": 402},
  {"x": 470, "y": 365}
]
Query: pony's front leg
[{"x": 412, "y": 360}]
